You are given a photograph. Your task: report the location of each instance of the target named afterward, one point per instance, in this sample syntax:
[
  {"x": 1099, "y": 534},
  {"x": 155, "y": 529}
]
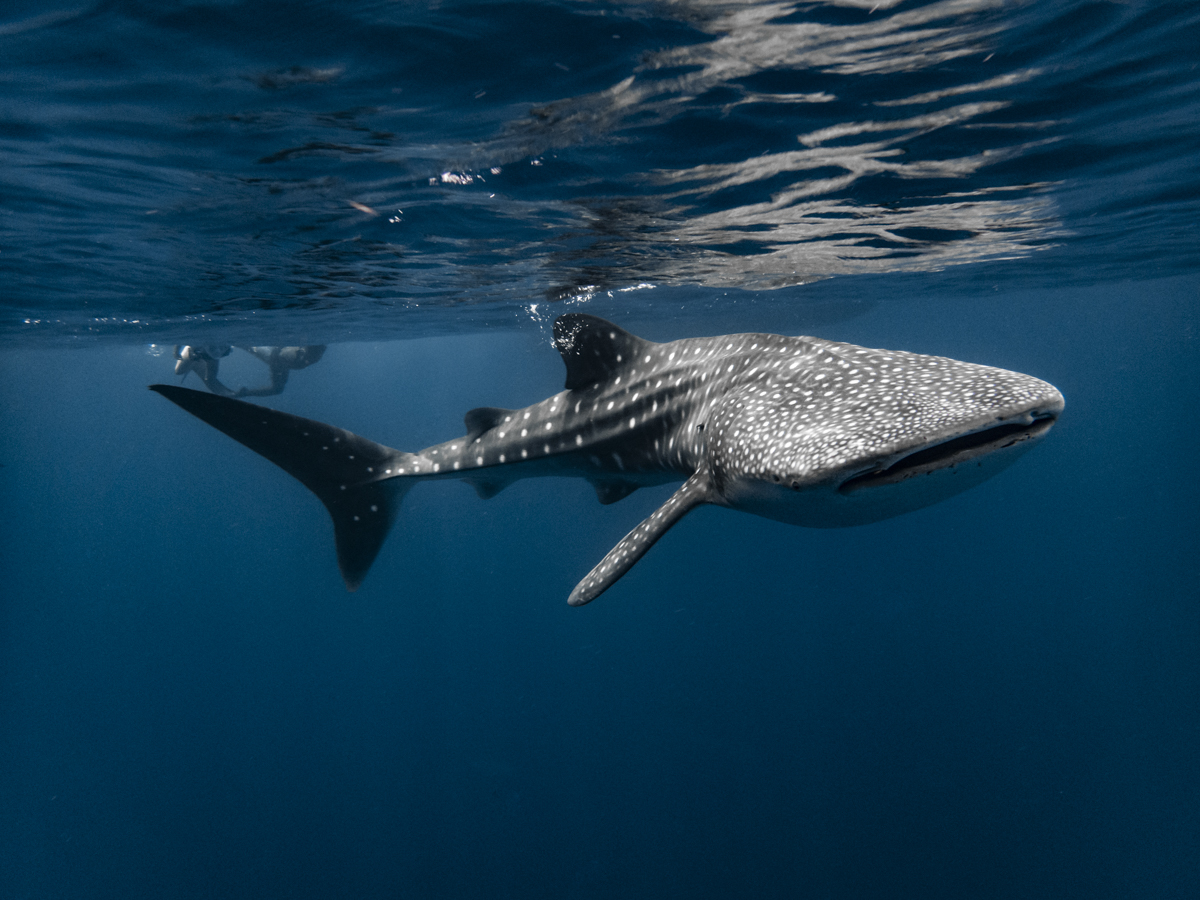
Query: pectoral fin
[{"x": 632, "y": 547}]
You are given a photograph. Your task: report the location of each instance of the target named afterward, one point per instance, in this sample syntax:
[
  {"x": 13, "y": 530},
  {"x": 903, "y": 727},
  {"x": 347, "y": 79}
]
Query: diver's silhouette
[
  {"x": 281, "y": 361},
  {"x": 204, "y": 361}
]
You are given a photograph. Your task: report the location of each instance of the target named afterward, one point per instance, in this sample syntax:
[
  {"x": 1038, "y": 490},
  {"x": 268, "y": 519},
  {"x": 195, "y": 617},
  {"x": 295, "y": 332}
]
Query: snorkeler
[
  {"x": 204, "y": 361},
  {"x": 281, "y": 361}
]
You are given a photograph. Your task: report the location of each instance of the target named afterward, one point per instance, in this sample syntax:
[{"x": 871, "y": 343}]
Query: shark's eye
[
  {"x": 795, "y": 485},
  {"x": 700, "y": 427},
  {"x": 776, "y": 477}
]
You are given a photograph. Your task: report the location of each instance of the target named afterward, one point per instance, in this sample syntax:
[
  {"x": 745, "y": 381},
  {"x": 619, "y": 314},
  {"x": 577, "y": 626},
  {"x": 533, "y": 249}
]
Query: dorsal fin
[
  {"x": 593, "y": 349},
  {"x": 483, "y": 418}
]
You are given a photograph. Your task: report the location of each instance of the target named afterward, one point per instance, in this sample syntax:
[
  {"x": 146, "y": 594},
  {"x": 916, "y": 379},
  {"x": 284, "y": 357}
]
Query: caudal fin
[{"x": 349, "y": 474}]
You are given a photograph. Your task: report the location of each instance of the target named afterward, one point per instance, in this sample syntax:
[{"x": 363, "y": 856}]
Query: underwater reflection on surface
[
  {"x": 436, "y": 157},
  {"x": 783, "y": 216}
]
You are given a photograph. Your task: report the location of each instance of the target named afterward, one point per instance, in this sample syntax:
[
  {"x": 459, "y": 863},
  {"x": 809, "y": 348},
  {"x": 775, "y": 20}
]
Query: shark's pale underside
[{"x": 798, "y": 429}]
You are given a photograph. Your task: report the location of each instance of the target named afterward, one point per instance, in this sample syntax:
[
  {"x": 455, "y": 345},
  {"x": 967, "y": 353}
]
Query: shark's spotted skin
[{"x": 793, "y": 428}]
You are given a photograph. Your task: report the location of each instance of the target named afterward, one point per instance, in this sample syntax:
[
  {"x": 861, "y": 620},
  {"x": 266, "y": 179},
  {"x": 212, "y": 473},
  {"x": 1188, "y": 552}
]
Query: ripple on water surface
[{"x": 380, "y": 159}]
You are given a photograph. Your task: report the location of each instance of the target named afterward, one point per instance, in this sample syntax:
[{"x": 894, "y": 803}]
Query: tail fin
[{"x": 349, "y": 474}]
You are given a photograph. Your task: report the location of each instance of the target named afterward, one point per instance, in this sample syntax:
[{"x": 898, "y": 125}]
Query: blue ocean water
[{"x": 998, "y": 696}]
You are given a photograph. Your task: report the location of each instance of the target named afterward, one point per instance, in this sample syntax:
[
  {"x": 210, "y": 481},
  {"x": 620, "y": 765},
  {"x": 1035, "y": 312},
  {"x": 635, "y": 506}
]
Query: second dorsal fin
[
  {"x": 487, "y": 488},
  {"x": 593, "y": 349},
  {"x": 611, "y": 491},
  {"x": 483, "y": 418}
]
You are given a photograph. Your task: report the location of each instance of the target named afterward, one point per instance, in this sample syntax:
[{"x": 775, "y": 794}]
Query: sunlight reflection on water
[{"x": 440, "y": 157}]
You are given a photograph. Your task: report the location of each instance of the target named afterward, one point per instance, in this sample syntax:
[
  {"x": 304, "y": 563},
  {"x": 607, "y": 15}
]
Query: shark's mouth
[{"x": 951, "y": 453}]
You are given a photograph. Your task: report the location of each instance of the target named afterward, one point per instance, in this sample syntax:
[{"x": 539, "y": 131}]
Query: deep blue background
[{"x": 995, "y": 697}]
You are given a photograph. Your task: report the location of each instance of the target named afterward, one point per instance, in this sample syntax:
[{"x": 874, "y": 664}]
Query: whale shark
[{"x": 797, "y": 429}]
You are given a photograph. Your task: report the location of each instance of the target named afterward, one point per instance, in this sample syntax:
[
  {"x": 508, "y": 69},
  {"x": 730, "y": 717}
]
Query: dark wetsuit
[
  {"x": 281, "y": 361},
  {"x": 204, "y": 361}
]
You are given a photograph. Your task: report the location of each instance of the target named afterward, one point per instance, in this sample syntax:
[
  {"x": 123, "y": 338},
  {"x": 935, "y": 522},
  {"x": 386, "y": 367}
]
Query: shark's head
[{"x": 848, "y": 435}]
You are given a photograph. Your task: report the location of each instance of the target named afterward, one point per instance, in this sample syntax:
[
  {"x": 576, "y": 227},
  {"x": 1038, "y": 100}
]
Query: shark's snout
[
  {"x": 866, "y": 461},
  {"x": 1002, "y": 433},
  {"x": 955, "y": 452}
]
